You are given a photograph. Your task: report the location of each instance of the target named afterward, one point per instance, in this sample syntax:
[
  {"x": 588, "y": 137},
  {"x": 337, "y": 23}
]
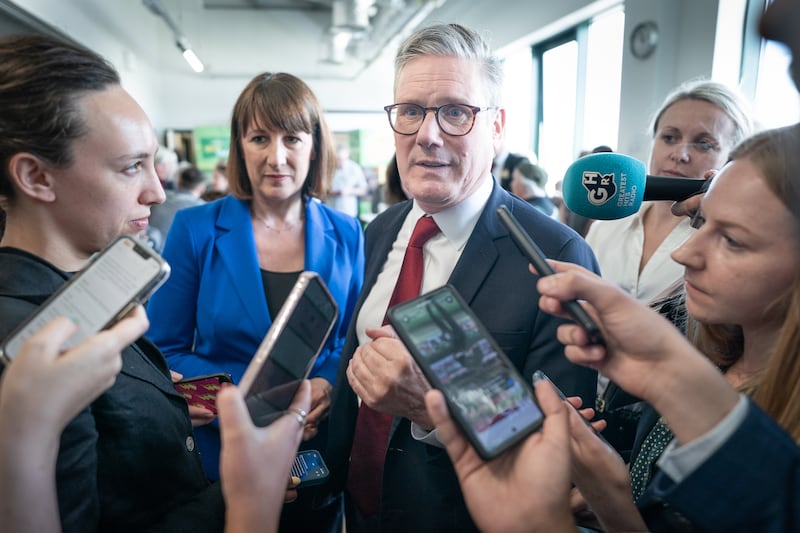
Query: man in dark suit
[{"x": 448, "y": 126}]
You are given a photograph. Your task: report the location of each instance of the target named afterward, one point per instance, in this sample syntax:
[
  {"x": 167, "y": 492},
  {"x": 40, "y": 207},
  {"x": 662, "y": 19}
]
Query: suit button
[{"x": 190, "y": 443}]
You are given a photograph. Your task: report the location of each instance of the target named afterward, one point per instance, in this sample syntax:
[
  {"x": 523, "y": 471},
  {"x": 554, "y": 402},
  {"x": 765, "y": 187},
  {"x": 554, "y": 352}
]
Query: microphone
[{"x": 608, "y": 186}]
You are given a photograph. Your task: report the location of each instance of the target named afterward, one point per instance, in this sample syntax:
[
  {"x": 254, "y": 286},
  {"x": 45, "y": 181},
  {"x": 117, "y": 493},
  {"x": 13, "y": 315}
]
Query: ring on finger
[{"x": 300, "y": 415}]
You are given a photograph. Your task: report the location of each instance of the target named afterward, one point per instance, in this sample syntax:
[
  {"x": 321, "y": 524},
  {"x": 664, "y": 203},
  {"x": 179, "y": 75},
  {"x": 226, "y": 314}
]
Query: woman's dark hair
[
  {"x": 394, "y": 192},
  {"x": 282, "y": 102},
  {"x": 41, "y": 80}
]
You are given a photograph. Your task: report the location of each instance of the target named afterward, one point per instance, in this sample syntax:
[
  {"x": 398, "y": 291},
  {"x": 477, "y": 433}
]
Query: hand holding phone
[
  {"x": 117, "y": 279},
  {"x": 309, "y": 467},
  {"x": 489, "y": 399},
  {"x": 532, "y": 251},
  {"x": 289, "y": 349}
]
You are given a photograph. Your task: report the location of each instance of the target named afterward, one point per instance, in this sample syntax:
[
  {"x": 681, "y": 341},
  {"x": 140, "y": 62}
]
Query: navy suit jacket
[
  {"x": 211, "y": 315},
  {"x": 420, "y": 489},
  {"x": 751, "y": 483}
]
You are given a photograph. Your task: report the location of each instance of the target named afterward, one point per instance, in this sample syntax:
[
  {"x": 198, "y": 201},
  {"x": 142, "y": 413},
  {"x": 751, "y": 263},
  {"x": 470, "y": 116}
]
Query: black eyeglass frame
[{"x": 425, "y": 110}]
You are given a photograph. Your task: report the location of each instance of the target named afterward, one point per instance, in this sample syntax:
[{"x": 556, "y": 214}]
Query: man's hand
[
  {"x": 320, "y": 404},
  {"x": 384, "y": 375}
]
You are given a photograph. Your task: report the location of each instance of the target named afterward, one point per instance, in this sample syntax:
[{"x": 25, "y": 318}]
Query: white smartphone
[
  {"x": 486, "y": 395},
  {"x": 121, "y": 276},
  {"x": 289, "y": 349}
]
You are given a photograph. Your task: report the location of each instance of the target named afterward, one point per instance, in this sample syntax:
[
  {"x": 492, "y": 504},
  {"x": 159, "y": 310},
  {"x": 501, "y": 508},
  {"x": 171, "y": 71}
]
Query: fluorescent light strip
[{"x": 193, "y": 60}]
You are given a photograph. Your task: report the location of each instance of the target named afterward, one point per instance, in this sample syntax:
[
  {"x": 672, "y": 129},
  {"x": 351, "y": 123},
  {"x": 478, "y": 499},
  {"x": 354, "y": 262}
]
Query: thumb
[{"x": 232, "y": 410}]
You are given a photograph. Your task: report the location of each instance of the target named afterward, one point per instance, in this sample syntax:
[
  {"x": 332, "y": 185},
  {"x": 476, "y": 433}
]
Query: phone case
[
  {"x": 288, "y": 351},
  {"x": 202, "y": 391}
]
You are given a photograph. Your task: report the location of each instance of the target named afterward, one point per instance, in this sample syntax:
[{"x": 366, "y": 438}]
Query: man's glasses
[{"x": 453, "y": 119}]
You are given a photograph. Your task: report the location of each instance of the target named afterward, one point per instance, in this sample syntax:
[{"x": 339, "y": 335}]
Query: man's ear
[
  {"x": 498, "y": 129},
  {"x": 31, "y": 177}
]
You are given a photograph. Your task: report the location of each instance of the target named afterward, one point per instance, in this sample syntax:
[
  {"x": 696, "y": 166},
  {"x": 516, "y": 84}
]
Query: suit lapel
[
  {"x": 321, "y": 244},
  {"x": 235, "y": 245},
  {"x": 480, "y": 253}
]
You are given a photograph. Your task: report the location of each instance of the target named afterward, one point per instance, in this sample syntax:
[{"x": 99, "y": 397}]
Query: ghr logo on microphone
[{"x": 600, "y": 187}]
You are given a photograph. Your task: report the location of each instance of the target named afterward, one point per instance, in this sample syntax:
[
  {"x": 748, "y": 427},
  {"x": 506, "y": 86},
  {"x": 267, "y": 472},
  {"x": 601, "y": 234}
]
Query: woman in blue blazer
[{"x": 234, "y": 260}]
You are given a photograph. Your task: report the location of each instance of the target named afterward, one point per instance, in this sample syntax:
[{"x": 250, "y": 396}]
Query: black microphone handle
[{"x": 675, "y": 189}]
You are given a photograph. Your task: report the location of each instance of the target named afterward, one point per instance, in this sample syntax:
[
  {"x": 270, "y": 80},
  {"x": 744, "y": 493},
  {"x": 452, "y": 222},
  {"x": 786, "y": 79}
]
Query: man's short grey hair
[{"x": 453, "y": 40}]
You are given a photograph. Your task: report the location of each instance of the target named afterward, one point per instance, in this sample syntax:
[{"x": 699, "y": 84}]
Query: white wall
[{"x": 686, "y": 46}]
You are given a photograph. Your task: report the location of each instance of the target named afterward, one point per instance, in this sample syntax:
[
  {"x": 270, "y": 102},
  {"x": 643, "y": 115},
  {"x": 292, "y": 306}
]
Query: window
[
  {"x": 579, "y": 83},
  {"x": 760, "y": 67}
]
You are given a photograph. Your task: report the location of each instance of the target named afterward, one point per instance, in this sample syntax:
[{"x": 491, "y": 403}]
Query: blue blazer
[
  {"x": 751, "y": 483},
  {"x": 211, "y": 314},
  {"x": 420, "y": 488}
]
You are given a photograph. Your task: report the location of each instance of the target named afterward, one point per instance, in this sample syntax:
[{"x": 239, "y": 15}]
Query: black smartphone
[
  {"x": 201, "y": 391},
  {"x": 121, "y": 276},
  {"x": 289, "y": 349},
  {"x": 541, "y": 376},
  {"x": 532, "y": 251},
  {"x": 490, "y": 400},
  {"x": 310, "y": 468}
]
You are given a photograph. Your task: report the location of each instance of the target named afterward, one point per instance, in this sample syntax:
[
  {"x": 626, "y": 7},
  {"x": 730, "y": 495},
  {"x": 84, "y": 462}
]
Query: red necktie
[{"x": 372, "y": 427}]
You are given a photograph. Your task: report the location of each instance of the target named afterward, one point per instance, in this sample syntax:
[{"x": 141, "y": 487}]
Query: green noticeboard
[{"x": 211, "y": 143}]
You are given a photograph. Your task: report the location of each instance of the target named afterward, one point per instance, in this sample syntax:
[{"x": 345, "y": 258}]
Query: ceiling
[{"x": 329, "y": 39}]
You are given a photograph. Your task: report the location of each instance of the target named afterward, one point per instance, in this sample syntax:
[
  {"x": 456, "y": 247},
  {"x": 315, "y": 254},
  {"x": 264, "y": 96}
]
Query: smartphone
[
  {"x": 310, "y": 468},
  {"x": 121, "y": 276},
  {"x": 289, "y": 349},
  {"x": 201, "y": 391},
  {"x": 490, "y": 400},
  {"x": 532, "y": 251},
  {"x": 541, "y": 376}
]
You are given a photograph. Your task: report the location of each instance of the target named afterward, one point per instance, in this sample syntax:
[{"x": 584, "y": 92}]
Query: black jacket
[{"x": 128, "y": 461}]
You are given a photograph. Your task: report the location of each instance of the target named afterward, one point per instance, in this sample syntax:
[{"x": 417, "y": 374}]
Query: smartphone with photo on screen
[
  {"x": 116, "y": 279},
  {"x": 289, "y": 349},
  {"x": 493, "y": 404}
]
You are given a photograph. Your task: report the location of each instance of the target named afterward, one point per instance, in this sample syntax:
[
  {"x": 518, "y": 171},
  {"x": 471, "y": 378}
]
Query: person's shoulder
[
  {"x": 535, "y": 221},
  {"x": 603, "y": 230}
]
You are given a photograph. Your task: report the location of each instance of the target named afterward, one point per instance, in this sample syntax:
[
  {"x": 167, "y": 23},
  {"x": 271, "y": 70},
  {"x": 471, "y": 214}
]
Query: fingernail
[{"x": 295, "y": 481}]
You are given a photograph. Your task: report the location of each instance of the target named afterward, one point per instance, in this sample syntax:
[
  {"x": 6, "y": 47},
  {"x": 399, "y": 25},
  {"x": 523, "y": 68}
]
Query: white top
[
  {"x": 346, "y": 178},
  {"x": 618, "y": 246}
]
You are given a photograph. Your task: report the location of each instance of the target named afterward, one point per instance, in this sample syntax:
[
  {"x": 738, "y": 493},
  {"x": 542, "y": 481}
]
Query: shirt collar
[{"x": 457, "y": 222}]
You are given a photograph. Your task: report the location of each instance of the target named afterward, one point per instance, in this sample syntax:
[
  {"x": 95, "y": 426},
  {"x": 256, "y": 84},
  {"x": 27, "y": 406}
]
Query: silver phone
[
  {"x": 289, "y": 349},
  {"x": 118, "y": 278}
]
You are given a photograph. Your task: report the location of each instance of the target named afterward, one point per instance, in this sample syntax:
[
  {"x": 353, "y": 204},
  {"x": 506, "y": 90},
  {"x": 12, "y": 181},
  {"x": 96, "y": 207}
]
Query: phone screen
[
  {"x": 289, "y": 349},
  {"x": 125, "y": 272},
  {"x": 458, "y": 356},
  {"x": 310, "y": 468}
]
